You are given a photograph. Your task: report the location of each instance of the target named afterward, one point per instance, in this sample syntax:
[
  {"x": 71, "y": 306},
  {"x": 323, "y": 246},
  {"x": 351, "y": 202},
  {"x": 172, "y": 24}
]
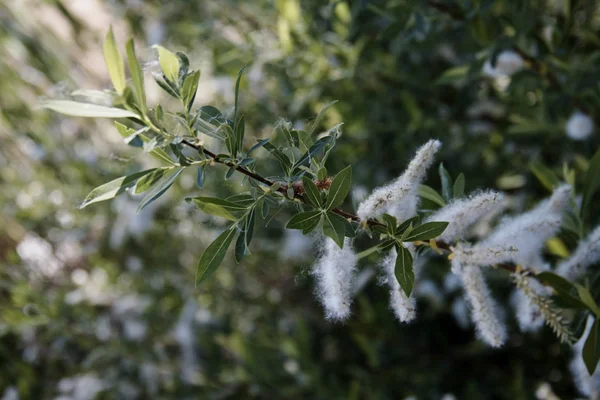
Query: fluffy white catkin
[
  {"x": 404, "y": 308},
  {"x": 586, "y": 254},
  {"x": 484, "y": 310},
  {"x": 400, "y": 198},
  {"x": 528, "y": 232},
  {"x": 463, "y": 213},
  {"x": 334, "y": 272}
]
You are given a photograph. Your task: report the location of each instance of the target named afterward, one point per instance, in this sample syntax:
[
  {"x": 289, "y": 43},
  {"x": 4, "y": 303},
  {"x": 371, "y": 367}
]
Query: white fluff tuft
[
  {"x": 404, "y": 308},
  {"x": 463, "y": 213},
  {"x": 484, "y": 310},
  {"x": 586, "y": 254},
  {"x": 400, "y": 198},
  {"x": 334, "y": 272},
  {"x": 579, "y": 126},
  {"x": 528, "y": 232}
]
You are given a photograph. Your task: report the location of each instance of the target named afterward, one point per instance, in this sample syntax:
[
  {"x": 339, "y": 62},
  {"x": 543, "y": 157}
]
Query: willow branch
[{"x": 371, "y": 222}]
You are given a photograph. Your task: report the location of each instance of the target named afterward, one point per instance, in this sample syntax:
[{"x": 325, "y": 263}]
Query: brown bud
[
  {"x": 322, "y": 185},
  {"x": 298, "y": 187}
]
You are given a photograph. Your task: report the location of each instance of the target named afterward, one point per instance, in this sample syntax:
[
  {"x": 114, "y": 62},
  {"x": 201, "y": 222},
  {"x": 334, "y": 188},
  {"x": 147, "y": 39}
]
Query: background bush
[{"x": 102, "y": 301}]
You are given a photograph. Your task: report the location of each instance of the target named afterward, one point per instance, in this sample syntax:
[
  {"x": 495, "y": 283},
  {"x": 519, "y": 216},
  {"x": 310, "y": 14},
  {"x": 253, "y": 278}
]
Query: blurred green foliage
[{"x": 103, "y": 300}]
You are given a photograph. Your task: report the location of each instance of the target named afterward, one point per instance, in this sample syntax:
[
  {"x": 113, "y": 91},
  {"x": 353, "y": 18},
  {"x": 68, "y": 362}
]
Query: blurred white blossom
[{"x": 579, "y": 126}]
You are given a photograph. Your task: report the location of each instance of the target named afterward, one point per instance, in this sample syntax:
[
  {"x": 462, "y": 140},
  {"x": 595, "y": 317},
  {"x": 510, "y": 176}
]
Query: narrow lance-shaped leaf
[
  {"x": 404, "y": 270},
  {"x": 544, "y": 175},
  {"x": 334, "y": 226},
  {"x": 339, "y": 188},
  {"x": 137, "y": 76},
  {"x": 591, "y": 182},
  {"x": 189, "y": 89},
  {"x": 591, "y": 348},
  {"x": 305, "y": 221},
  {"x": 114, "y": 62},
  {"x": 317, "y": 120},
  {"x": 429, "y": 230},
  {"x": 113, "y": 188},
  {"x": 214, "y": 255},
  {"x": 311, "y": 192},
  {"x": 237, "y": 92},
  {"x": 313, "y": 149},
  {"x": 160, "y": 188},
  {"x": 200, "y": 177},
  {"x": 150, "y": 180},
  {"x": 446, "y": 182},
  {"x": 169, "y": 63},
  {"x": 429, "y": 193},
  {"x": 88, "y": 110},
  {"x": 459, "y": 186},
  {"x": 284, "y": 160}
]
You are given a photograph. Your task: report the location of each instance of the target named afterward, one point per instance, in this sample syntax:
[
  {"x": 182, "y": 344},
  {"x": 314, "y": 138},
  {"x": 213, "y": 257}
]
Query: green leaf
[
  {"x": 563, "y": 288},
  {"x": 591, "y": 348},
  {"x": 239, "y": 133},
  {"x": 150, "y": 180},
  {"x": 317, "y": 120},
  {"x": 322, "y": 174},
  {"x": 113, "y": 188},
  {"x": 259, "y": 143},
  {"x": 218, "y": 207},
  {"x": 404, "y": 270},
  {"x": 240, "y": 247},
  {"x": 339, "y": 188},
  {"x": 169, "y": 63},
  {"x": 459, "y": 186},
  {"x": 334, "y": 226},
  {"x": 237, "y": 91},
  {"x": 137, "y": 76},
  {"x": 429, "y": 193},
  {"x": 284, "y": 160},
  {"x": 313, "y": 149},
  {"x": 544, "y": 175},
  {"x": 305, "y": 221},
  {"x": 587, "y": 298},
  {"x": 391, "y": 223},
  {"x": 166, "y": 87},
  {"x": 139, "y": 141},
  {"x": 591, "y": 182},
  {"x": 453, "y": 74},
  {"x": 127, "y": 134},
  {"x": 242, "y": 199},
  {"x": 160, "y": 188},
  {"x": 200, "y": 177},
  {"x": 189, "y": 89},
  {"x": 429, "y": 230},
  {"x": 88, "y": 110},
  {"x": 114, "y": 62},
  {"x": 446, "y": 182},
  {"x": 311, "y": 192},
  {"x": 214, "y": 255},
  {"x": 406, "y": 224}
]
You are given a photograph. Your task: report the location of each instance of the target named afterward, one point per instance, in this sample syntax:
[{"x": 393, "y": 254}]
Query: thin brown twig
[
  {"x": 440, "y": 245},
  {"x": 267, "y": 182}
]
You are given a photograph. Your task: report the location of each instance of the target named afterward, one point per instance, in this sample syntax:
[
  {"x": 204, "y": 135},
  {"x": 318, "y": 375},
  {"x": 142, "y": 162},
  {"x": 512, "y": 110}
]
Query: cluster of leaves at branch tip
[{"x": 304, "y": 182}]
